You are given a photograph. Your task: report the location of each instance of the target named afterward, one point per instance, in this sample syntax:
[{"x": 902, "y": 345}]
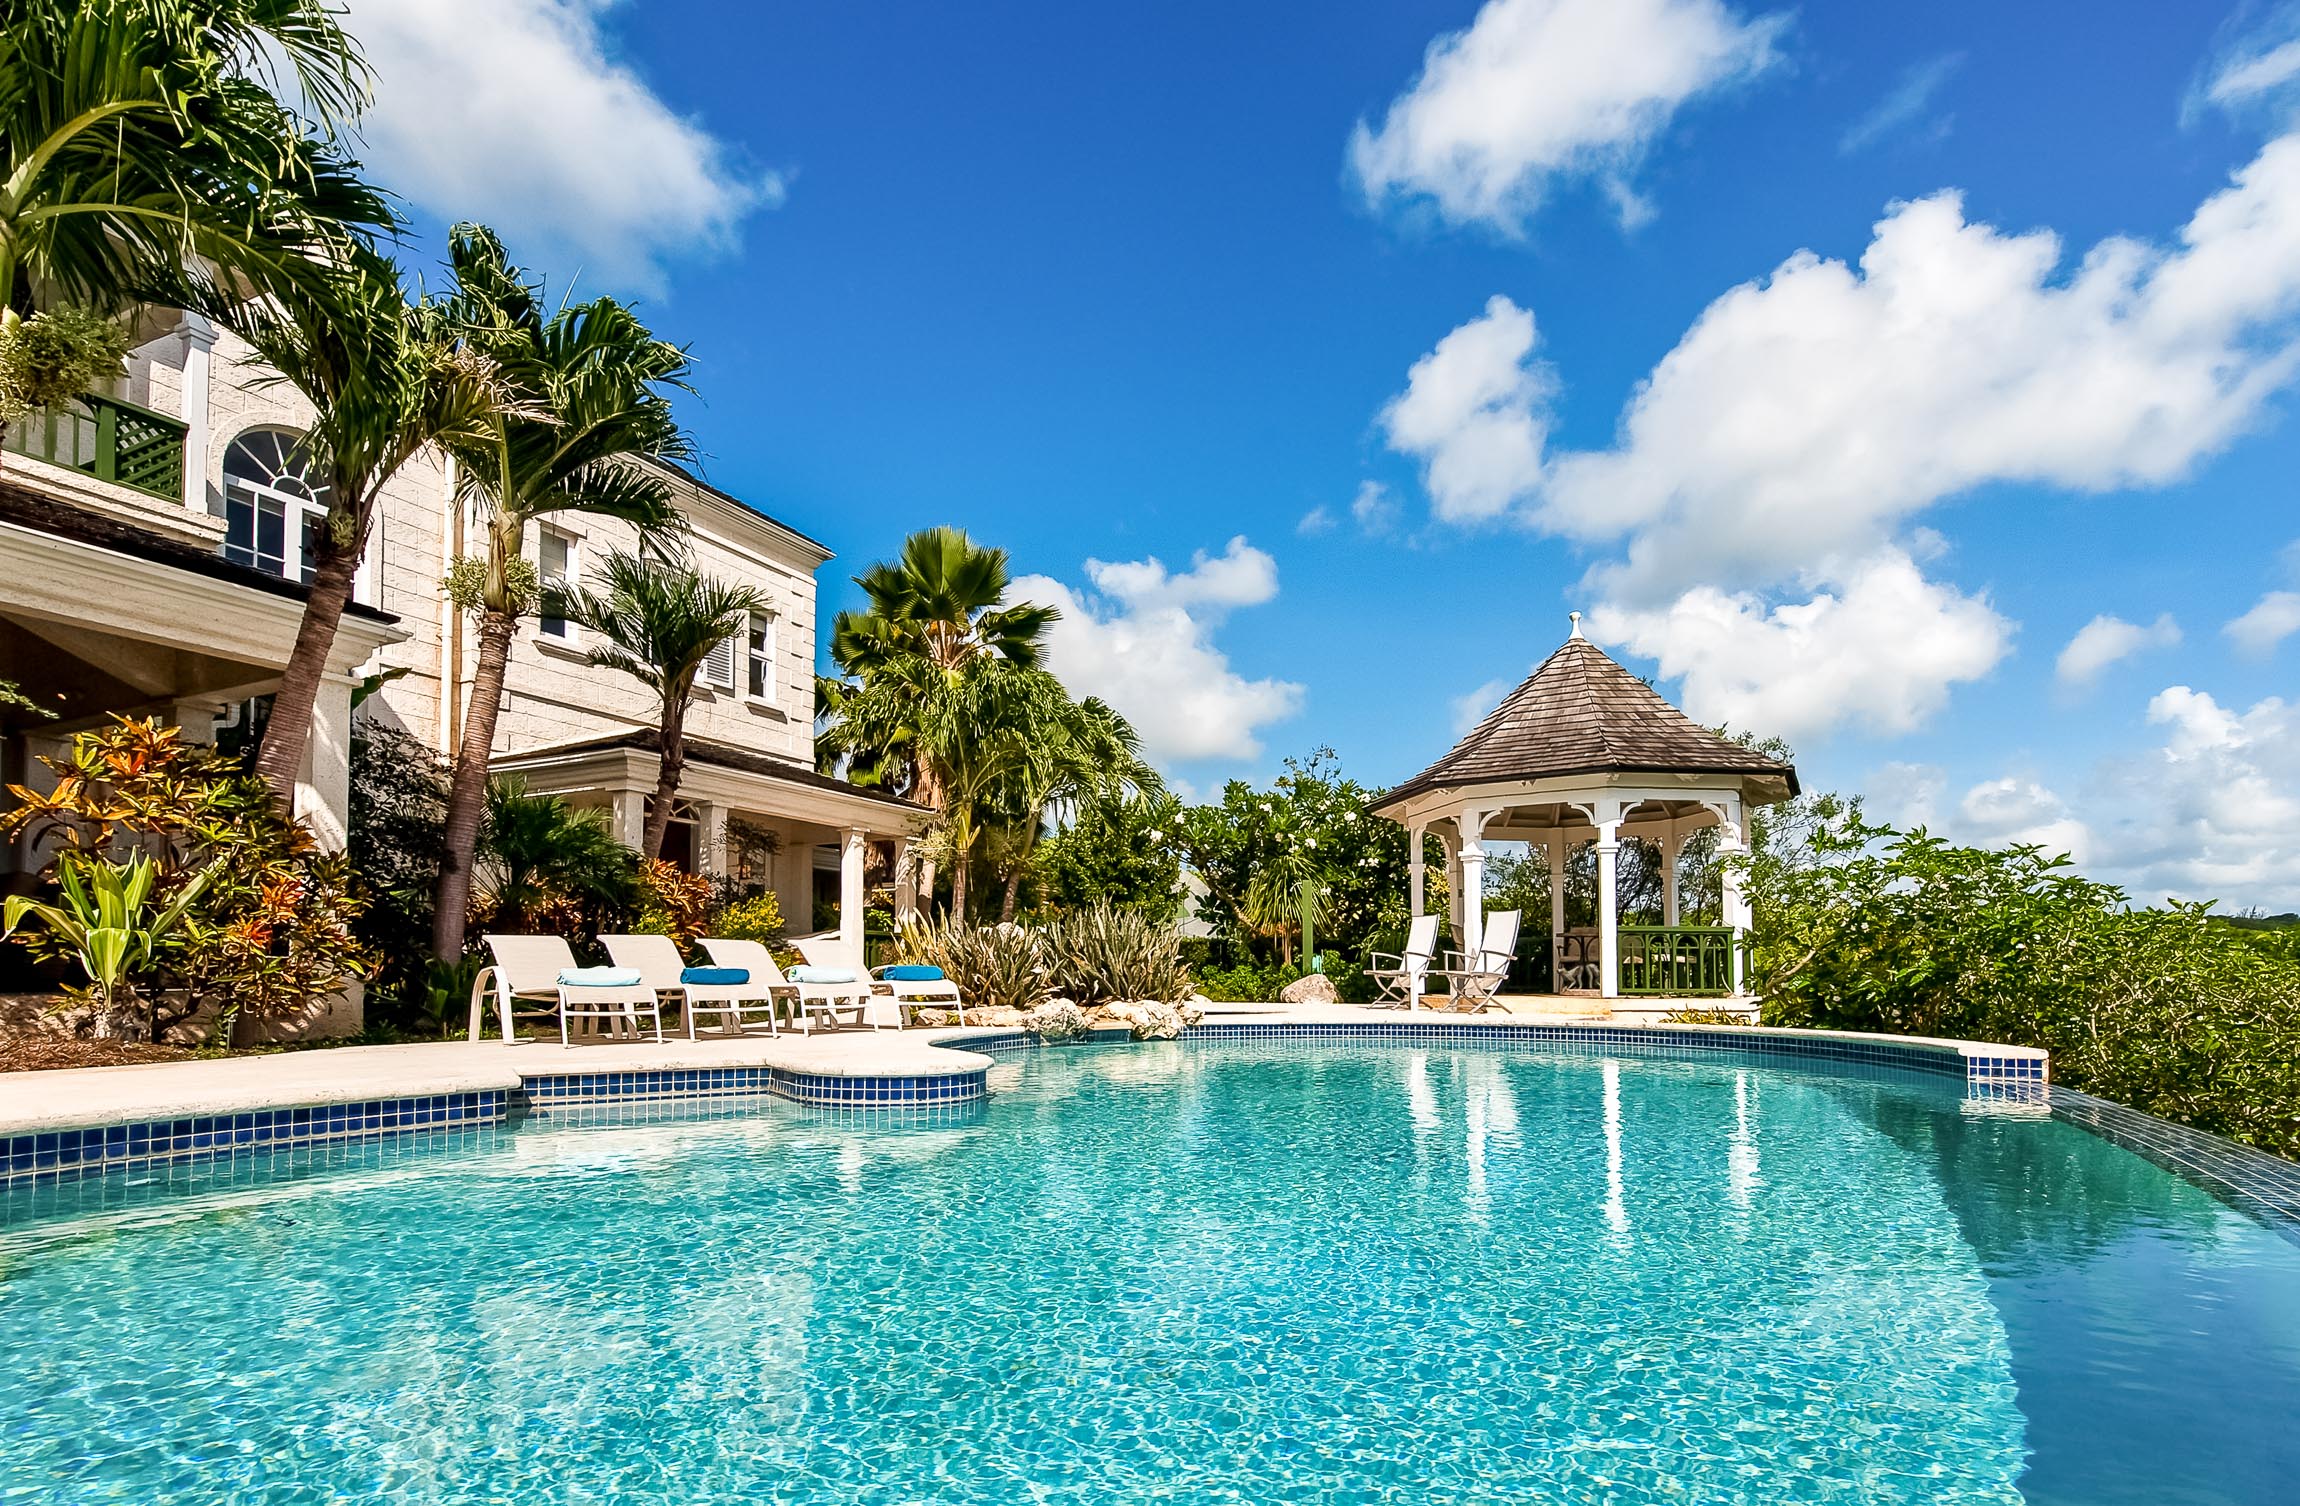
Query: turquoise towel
[
  {"x": 822, "y": 975},
  {"x": 721, "y": 975},
  {"x": 598, "y": 977},
  {"x": 912, "y": 974}
]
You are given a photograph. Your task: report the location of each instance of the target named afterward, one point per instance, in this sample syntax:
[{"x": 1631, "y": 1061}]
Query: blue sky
[{"x": 1392, "y": 332}]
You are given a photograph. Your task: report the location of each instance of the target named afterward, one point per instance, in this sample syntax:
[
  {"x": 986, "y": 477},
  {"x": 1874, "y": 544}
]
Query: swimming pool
[{"x": 1186, "y": 1272}]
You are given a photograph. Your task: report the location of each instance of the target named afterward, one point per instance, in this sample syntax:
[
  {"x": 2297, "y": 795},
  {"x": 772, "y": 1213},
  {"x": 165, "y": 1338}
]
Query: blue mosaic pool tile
[
  {"x": 544, "y": 1095},
  {"x": 102, "y": 1148}
]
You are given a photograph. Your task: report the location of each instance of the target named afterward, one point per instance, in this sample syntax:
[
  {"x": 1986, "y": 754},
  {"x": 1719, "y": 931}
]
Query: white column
[
  {"x": 1414, "y": 878},
  {"x": 905, "y": 882},
  {"x": 199, "y": 362},
  {"x": 1450, "y": 847},
  {"x": 323, "y": 789},
  {"x": 1608, "y": 922},
  {"x": 710, "y": 837},
  {"x": 1733, "y": 906},
  {"x": 1556, "y": 847},
  {"x": 852, "y": 855},
  {"x": 630, "y": 812},
  {"x": 1472, "y": 929},
  {"x": 1671, "y": 846}
]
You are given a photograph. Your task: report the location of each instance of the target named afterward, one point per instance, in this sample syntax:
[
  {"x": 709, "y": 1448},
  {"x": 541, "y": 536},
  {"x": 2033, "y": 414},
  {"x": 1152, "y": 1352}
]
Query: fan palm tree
[
  {"x": 539, "y": 849},
  {"x": 1073, "y": 750},
  {"x": 385, "y": 378},
  {"x": 143, "y": 157},
  {"x": 594, "y": 379},
  {"x": 935, "y": 611},
  {"x": 657, "y": 620}
]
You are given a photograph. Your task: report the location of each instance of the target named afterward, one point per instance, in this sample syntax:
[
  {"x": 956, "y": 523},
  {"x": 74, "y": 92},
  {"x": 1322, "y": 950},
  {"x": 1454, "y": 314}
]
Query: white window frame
[
  {"x": 568, "y": 631},
  {"x": 764, "y": 626},
  {"x": 295, "y": 510}
]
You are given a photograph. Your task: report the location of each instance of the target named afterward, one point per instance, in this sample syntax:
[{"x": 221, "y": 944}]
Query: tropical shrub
[
  {"x": 1120, "y": 849},
  {"x": 397, "y": 811},
  {"x": 547, "y": 865},
  {"x": 106, "y": 923},
  {"x": 1104, "y": 952},
  {"x": 1866, "y": 928},
  {"x": 271, "y": 933},
  {"x": 755, "y": 917},
  {"x": 672, "y": 902},
  {"x": 995, "y": 967}
]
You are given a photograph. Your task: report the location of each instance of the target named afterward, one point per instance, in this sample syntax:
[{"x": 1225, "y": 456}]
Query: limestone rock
[
  {"x": 1056, "y": 1020},
  {"x": 1152, "y": 1019},
  {"x": 1310, "y": 988}
]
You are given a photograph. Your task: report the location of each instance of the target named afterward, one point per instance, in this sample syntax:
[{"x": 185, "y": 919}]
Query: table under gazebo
[{"x": 1586, "y": 752}]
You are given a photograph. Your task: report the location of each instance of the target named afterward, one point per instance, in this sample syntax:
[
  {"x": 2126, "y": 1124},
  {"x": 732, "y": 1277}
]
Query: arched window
[{"x": 275, "y": 502}]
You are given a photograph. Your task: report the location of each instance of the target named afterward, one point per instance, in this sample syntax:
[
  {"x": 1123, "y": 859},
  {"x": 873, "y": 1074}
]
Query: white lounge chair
[
  {"x": 908, "y": 993},
  {"x": 657, "y": 961},
  {"x": 1474, "y": 981},
  {"x": 1400, "y": 979},
  {"x": 529, "y": 968},
  {"x": 829, "y": 1000}
]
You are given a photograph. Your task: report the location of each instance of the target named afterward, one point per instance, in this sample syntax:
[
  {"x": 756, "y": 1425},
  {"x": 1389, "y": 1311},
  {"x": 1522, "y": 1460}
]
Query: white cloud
[
  {"x": 1317, "y": 520},
  {"x": 2249, "y": 76},
  {"x": 1471, "y": 707},
  {"x": 2255, "y": 70},
  {"x": 1791, "y": 439},
  {"x": 1143, "y": 639},
  {"x": 2272, "y": 619},
  {"x": 1906, "y": 795},
  {"x": 1539, "y": 91},
  {"x": 514, "y": 113},
  {"x": 1474, "y": 413},
  {"x": 1909, "y": 99},
  {"x": 1879, "y": 648},
  {"x": 2106, "y": 640},
  {"x": 2015, "y": 811},
  {"x": 1375, "y": 510}
]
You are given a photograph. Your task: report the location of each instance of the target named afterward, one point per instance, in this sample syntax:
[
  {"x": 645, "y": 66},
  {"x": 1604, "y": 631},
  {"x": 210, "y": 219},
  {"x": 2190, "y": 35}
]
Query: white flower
[
  {"x": 1310, "y": 842},
  {"x": 1155, "y": 835}
]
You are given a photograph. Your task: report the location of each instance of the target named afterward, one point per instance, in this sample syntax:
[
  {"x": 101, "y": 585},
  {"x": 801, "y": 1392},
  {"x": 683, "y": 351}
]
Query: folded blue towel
[
  {"x": 715, "y": 975},
  {"x": 599, "y": 977},
  {"x": 907, "y": 973},
  {"x": 821, "y": 975}
]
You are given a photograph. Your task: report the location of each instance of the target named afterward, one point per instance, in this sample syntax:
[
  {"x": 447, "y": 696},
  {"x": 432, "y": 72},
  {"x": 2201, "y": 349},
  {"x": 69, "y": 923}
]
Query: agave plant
[
  {"x": 105, "y": 922},
  {"x": 1105, "y": 952},
  {"x": 998, "y": 966}
]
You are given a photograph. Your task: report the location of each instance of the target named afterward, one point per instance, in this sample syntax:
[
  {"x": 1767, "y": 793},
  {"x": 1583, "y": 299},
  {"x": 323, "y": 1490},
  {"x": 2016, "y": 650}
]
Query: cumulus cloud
[
  {"x": 1317, "y": 520},
  {"x": 1880, "y": 649},
  {"x": 516, "y": 113},
  {"x": 1908, "y": 102},
  {"x": 1535, "y": 92},
  {"x": 2104, "y": 641},
  {"x": 1475, "y": 414},
  {"x": 2272, "y": 619},
  {"x": 1471, "y": 707},
  {"x": 1142, "y": 638},
  {"x": 1770, "y": 471},
  {"x": 1374, "y": 509},
  {"x": 2015, "y": 811}
]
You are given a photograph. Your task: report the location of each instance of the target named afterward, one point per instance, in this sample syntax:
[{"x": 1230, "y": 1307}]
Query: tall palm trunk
[
  {"x": 926, "y": 878},
  {"x": 280, "y": 760},
  {"x": 467, "y": 794},
  {"x": 1012, "y": 897},
  {"x": 667, "y": 774},
  {"x": 958, "y": 867}
]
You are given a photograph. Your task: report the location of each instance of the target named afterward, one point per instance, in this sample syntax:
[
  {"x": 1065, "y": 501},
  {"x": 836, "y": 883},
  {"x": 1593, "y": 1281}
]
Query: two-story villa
[{"x": 152, "y": 557}]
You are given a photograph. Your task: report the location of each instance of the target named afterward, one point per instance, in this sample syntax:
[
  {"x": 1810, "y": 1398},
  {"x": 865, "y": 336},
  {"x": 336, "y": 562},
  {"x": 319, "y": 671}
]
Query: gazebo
[{"x": 1584, "y": 751}]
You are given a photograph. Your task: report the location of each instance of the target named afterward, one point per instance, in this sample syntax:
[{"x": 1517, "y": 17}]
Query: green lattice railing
[
  {"x": 109, "y": 440},
  {"x": 1677, "y": 961}
]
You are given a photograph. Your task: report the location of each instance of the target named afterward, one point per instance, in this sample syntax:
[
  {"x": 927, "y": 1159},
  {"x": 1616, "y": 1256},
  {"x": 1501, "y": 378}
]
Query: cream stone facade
[{"x": 149, "y": 566}]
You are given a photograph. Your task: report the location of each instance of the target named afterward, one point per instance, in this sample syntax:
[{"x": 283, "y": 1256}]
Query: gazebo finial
[{"x": 1576, "y": 619}]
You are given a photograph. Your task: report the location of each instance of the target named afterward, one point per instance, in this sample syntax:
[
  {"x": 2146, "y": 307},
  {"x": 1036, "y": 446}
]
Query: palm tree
[
  {"x": 385, "y": 378},
  {"x": 934, "y": 613},
  {"x": 1072, "y": 750},
  {"x": 657, "y": 620},
  {"x": 143, "y": 158},
  {"x": 594, "y": 377},
  {"x": 542, "y": 851}
]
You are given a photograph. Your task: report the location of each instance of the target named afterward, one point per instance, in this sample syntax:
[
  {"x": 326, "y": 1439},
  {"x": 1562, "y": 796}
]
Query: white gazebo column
[
  {"x": 1414, "y": 879},
  {"x": 905, "y": 882},
  {"x": 1451, "y": 847},
  {"x": 853, "y": 854},
  {"x": 1608, "y": 919},
  {"x": 1733, "y": 906},
  {"x": 1470, "y": 934},
  {"x": 1671, "y": 846},
  {"x": 1557, "y": 848}
]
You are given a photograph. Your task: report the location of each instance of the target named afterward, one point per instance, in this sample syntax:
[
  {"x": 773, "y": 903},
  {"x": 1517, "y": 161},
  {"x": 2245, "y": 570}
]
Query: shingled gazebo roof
[{"x": 1582, "y": 714}]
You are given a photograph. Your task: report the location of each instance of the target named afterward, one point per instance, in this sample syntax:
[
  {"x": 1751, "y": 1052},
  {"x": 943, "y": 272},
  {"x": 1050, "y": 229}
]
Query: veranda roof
[{"x": 1582, "y": 714}]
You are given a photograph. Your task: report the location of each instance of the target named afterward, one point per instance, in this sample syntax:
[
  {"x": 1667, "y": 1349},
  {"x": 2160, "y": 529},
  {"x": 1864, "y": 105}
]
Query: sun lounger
[
  {"x": 660, "y": 967},
  {"x": 816, "y": 997},
  {"x": 532, "y": 969},
  {"x": 908, "y": 993}
]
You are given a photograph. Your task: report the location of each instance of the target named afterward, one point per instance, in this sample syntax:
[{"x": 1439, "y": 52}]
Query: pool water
[{"x": 1189, "y": 1273}]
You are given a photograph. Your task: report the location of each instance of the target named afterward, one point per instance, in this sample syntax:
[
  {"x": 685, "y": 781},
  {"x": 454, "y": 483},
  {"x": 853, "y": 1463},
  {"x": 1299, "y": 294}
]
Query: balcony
[{"x": 109, "y": 440}]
